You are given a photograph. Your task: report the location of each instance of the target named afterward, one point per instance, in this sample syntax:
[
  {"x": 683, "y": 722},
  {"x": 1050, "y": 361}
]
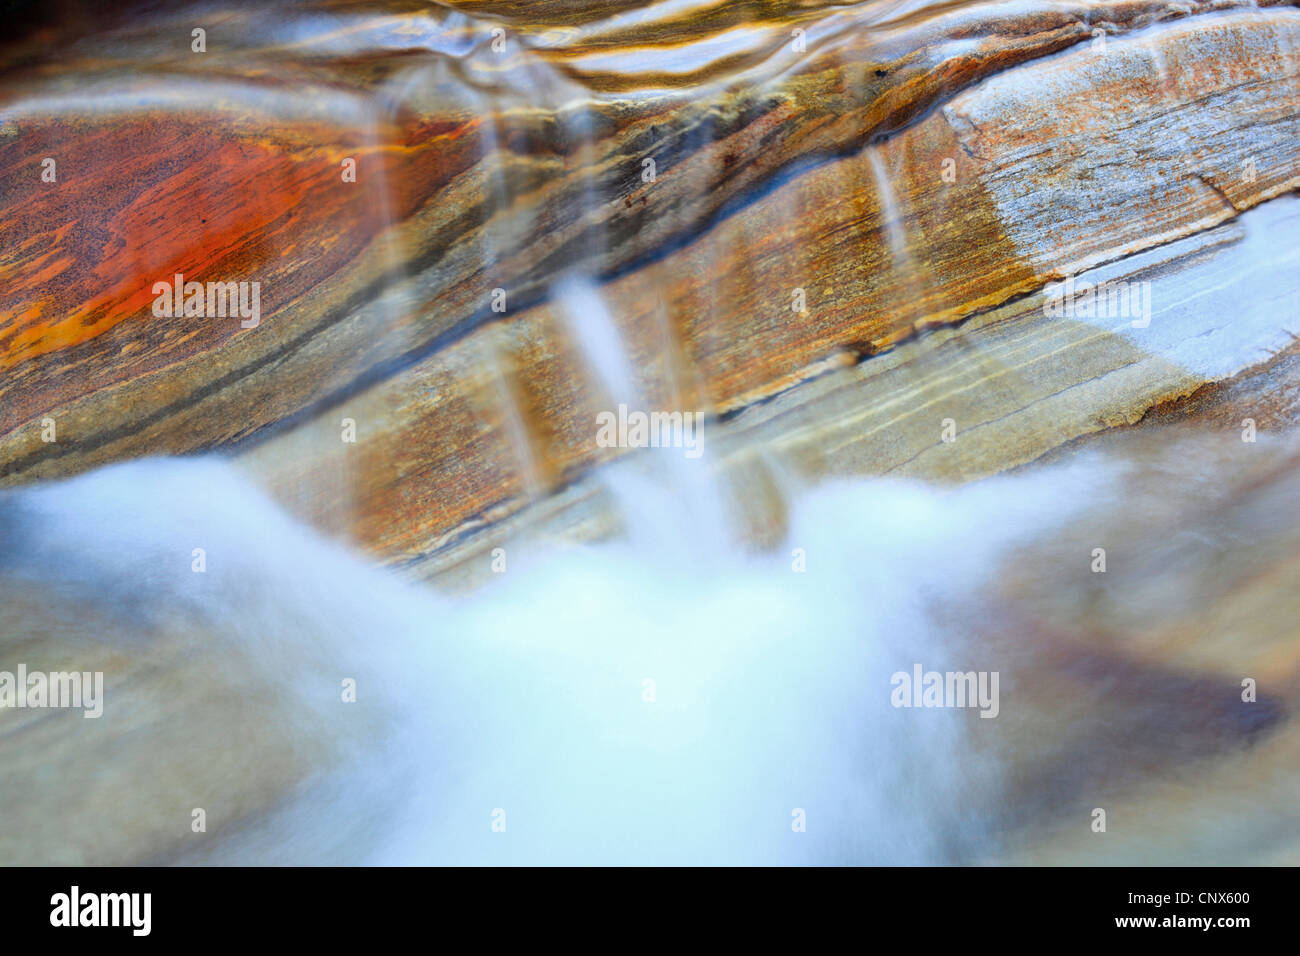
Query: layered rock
[
  {"x": 827, "y": 183},
  {"x": 838, "y": 231}
]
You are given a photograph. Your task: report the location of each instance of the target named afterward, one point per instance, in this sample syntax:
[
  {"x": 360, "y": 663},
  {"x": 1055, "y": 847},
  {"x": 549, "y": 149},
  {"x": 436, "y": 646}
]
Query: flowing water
[
  {"x": 670, "y": 693},
  {"x": 660, "y": 698},
  {"x": 652, "y": 700}
]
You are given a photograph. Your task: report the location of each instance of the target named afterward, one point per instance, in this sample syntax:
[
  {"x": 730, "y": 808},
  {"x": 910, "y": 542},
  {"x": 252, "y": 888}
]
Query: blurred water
[
  {"x": 668, "y": 696},
  {"x": 769, "y": 694}
]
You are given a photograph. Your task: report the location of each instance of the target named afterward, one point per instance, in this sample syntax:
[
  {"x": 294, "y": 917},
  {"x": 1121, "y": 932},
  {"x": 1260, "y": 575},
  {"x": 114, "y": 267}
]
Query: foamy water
[{"x": 658, "y": 699}]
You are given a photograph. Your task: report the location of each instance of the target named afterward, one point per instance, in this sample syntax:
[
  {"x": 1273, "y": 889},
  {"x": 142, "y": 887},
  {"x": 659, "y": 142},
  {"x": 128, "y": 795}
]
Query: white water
[
  {"x": 771, "y": 687},
  {"x": 890, "y": 213}
]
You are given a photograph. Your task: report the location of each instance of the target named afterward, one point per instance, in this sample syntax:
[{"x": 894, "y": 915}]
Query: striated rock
[
  {"x": 724, "y": 338},
  {"x": 842, "y": 233},
  {"x": 905, "y": 170}
]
